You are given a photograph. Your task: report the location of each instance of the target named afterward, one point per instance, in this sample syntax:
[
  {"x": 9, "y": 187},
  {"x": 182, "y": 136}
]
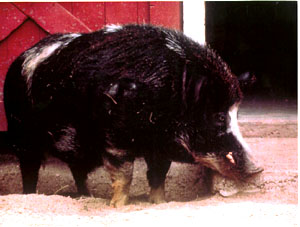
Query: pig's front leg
[{"x": 121, "y": 177}]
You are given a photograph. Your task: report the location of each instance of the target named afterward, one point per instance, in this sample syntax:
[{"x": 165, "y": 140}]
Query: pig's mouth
[{"x": 229, "y": 167}]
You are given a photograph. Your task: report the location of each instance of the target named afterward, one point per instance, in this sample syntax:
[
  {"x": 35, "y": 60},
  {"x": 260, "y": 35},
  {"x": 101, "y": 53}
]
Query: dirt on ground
[{"x": 273, "y": 200}]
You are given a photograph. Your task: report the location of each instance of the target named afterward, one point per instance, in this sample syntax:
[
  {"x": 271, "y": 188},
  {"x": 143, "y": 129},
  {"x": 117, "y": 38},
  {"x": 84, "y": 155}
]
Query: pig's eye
[
  {"x": 222, "y": 118},
  {"x": 219, "y": 119}
]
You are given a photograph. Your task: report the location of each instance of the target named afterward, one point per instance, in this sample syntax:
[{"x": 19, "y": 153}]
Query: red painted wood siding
[{"x": 25, "y": 23}]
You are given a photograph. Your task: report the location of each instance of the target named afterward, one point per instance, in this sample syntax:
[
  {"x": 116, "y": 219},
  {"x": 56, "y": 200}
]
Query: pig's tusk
[{"x": 230, "y": 157}]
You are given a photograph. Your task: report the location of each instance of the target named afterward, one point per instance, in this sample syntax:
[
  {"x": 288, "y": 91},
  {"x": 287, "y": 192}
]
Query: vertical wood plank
[
  {"x": 121, "y": 12},
  {"x": 90, "y": 13},
  {"x": 166, "y": 14},
  {"x": 143, "y": 12}
]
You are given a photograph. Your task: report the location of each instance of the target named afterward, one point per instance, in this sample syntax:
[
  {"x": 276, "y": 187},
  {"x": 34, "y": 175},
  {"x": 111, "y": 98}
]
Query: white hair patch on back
[
  {"x": 68, "y": 38},
  {"x": 36, "y": 55},
  {"x": 112, "y": 28},
  {"x": 234, "y": 128}
]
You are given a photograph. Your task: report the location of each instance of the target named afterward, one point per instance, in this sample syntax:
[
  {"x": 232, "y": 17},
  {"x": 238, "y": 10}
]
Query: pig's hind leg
[
  {"x": 156, "y": 174},
  {"x": 80, "y": 175},
  {"x": 27, "y": 147},
  {"x": 30, "y": 154},
  {"x": 29, "y": 166}
]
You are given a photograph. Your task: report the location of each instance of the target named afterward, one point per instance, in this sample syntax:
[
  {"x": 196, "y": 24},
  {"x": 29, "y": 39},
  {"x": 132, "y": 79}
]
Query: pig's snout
[{"x": 251, "y": 168}]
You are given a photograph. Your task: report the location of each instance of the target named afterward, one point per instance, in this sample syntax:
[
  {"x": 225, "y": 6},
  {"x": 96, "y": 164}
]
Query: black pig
[{"x": 119, "y": 93}]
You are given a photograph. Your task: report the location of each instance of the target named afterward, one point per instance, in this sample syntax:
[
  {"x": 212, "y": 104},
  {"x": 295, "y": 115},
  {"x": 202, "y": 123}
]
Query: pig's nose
[{"x": 252, "y": 168}]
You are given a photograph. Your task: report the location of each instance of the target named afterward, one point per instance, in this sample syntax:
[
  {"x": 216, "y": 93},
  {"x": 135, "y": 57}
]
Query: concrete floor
[{"x": 268, "y": 110}]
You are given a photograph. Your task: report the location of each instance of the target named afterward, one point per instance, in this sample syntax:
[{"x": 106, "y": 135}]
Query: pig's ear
[{"x": 246, "y": 80}]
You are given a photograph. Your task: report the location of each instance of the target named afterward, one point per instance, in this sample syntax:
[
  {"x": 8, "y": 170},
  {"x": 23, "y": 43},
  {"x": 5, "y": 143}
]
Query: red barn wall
[{"x": 25, "y": 23}]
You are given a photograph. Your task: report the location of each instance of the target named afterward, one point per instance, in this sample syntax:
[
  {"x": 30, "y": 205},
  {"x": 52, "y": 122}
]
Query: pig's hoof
[
  {"x": 119, "y": 202},
  {"x": 156, "y": 200},
  {"x": 157, "y": 195}
]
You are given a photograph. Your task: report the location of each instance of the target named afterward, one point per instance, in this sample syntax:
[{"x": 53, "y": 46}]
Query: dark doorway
[{"x": 260, "y": 37}]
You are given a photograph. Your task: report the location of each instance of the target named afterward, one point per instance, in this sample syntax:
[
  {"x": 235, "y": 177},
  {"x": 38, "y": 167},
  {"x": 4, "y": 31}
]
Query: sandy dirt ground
[{"x": 272, "y": 201}]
